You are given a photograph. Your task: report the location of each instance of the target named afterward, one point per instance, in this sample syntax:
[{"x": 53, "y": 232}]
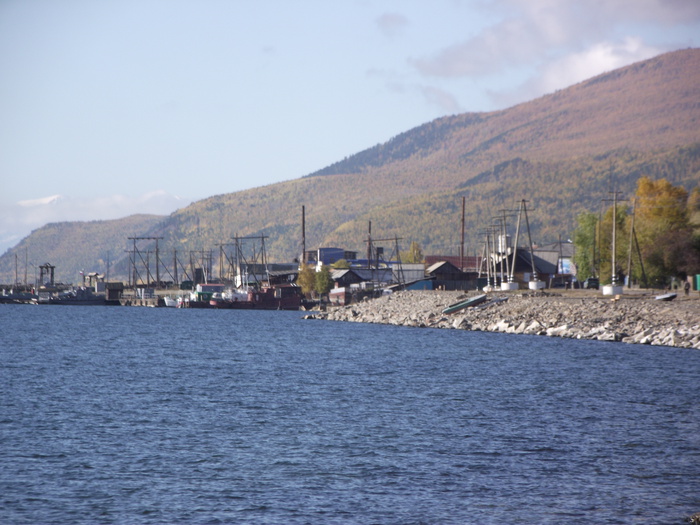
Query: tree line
[{"x": 657, "y": 236}]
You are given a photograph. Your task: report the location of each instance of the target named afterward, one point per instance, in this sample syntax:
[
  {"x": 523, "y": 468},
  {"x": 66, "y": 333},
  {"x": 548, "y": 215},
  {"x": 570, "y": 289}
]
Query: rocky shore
[{"x": 630, "y": 318}]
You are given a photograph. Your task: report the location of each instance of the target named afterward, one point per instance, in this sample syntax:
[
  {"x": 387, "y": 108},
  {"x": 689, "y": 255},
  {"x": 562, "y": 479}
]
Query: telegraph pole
[
  {"x": 303, "y": 237},
  {"x": 461, "y": 247},
  {"x": 614, "y": 288},
  {"x": 629, "y": 253},
  {"x": 148, "y": 269}
]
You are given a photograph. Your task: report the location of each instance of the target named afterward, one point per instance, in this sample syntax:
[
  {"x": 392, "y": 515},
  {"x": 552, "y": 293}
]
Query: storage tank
[{"x": 504, "y": 244}]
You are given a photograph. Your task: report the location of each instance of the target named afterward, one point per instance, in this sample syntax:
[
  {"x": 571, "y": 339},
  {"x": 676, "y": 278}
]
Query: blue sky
[{"x": 114, "y": 107}]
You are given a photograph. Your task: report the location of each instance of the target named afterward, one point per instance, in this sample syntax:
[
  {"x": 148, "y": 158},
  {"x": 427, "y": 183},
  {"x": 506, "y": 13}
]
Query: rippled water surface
[{"x": 143, "y": 415}]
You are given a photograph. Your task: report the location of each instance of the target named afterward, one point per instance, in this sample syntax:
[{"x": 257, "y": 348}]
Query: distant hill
[
  {"x": 563, "y": 153},
  {"x": 76, "y": 246}
]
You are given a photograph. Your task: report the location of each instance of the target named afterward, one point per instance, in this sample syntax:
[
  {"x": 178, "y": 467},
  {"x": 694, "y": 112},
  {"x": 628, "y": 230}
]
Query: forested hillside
[
  {"x": 76, "y": 246},
  {"x": 564, "y": 153}
]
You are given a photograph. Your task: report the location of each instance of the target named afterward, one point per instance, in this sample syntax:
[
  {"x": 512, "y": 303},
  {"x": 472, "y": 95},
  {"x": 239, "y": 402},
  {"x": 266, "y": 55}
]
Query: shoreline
[{"x": 634, "y": 317}]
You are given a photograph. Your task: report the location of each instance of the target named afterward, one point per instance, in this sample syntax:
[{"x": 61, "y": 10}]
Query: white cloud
[
  {"x": 539, "y": 46},
  {"x": 442, "y": 99},
  {"x": 485, "y": 54},
  {"x": 391, "y": 24},
  {"x": 599, "y": 58},
  {"x": 577, "y": 67},
  {"x": 40, "y": 202},
  {"x": 669, "y": 12},
  {"x": 522, "y": 35},
  {"x": 19, "y": 219},
  {"x": 542, "y": 31}
]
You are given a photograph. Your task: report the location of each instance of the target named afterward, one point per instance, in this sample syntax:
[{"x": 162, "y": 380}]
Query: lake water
[{"x": 145, "y": 415}]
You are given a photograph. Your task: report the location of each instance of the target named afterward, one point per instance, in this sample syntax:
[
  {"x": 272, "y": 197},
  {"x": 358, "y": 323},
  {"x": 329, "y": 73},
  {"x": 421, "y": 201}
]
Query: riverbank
[{"x": 634, "y": 317}]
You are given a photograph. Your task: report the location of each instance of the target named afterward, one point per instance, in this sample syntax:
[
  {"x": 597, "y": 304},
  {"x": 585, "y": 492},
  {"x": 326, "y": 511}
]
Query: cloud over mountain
[
  {"x": 546, "y": 45},
  {"x": 19, "y": 219}
]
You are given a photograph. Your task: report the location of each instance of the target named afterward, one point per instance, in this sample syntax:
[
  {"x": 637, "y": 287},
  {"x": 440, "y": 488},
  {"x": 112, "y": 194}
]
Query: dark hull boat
[
  {"x": 467, "y": 303},
  {"x": 77, "y": 297},
  {"x": 18, "y": 298},
  {"x": 280, "y": 297},
  {"x": 267, "y": 298}
]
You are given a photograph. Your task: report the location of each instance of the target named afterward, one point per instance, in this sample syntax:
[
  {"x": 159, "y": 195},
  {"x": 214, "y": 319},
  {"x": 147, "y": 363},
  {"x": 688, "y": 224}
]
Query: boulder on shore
[{"x": 631, "y": 318}]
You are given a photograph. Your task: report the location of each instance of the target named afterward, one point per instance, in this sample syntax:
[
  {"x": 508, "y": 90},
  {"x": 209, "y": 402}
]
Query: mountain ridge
[
  {"x": 463, "y": 122},
  {"x": 563, "y": 151}
]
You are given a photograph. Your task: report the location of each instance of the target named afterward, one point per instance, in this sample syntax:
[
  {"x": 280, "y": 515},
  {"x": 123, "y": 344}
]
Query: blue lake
[{"x": 145, "y": 415}]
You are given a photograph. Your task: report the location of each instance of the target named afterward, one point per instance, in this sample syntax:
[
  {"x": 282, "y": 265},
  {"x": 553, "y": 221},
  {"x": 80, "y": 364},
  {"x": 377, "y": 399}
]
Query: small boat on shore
[
  {"x": 467, "y": 303},
  {"x": 666, "y": 297}
]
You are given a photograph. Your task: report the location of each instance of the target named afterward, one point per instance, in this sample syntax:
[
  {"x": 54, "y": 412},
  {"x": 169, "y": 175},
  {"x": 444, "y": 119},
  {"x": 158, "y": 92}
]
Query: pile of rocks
[{"x": 628, "y": 318}]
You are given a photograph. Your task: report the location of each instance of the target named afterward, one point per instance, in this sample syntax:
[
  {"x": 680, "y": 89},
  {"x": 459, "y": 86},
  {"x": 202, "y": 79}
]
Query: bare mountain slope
[
  {"x": 563, "y": 152},
  {"x": 653, "y": 104}
]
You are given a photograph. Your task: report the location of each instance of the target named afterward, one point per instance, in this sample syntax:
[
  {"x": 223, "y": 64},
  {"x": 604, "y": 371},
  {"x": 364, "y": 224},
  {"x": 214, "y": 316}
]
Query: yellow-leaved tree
[
  {"x": 413, "y": 255},
  {"x": 307, "y": 280},
  {"x": 666, "y": 241}
]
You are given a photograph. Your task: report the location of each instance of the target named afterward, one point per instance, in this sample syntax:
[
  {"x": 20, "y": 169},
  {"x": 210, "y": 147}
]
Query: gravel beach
[{"x": 633, "y": 317}]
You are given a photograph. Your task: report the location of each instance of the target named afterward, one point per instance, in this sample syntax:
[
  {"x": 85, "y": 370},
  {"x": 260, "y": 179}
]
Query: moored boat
[
  {"x": 169, "y": 302},
  {"x": 76, "y": 297},
  {"x": 467, "y": 303},
  {"x": 14, "y": 297},
  {"x": 277, "y": 297},
  {"x": 666, "y": 297}
]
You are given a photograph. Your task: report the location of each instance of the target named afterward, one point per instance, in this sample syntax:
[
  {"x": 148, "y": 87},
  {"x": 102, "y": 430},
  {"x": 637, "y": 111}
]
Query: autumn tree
[
  {"x": 663, "y": 230},
  {"x": 307, "y": 280},
  {"x": 413, "y": 255},
  {"x": 585, "y": 237},
  {"x": 661, "y": 206},
  {"x": 324, "y": 281}
]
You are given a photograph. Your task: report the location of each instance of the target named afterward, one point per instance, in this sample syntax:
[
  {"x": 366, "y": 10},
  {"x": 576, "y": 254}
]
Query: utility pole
[
  {"x": 461, "y": 248},
  {"x": 629, "y": 252},
  {"x": 488, "y": 262},
  {"x": 396, "y": 253},
  {"x": 560, "y": 266},
  {"x": 177, "y": 283},
  {"x": 241, "y": 260},
  {"x": 157, "y": 263},
  {"x": 508, "y": 284},
  {"x": 599, "y": 262},
  {"x": 613, "y": 289},
  {"x": 595, "y": 240},
  {"x": 147, "y": 262},
  {"x": 515, "y": 244},
  {"x": 303, "y": 237},
  {"x": 534, "y": 282},
  {"x": 614, "y": 224},
  {"x": 498, "y": 242},
  {"x": 369, "y": 246}
]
